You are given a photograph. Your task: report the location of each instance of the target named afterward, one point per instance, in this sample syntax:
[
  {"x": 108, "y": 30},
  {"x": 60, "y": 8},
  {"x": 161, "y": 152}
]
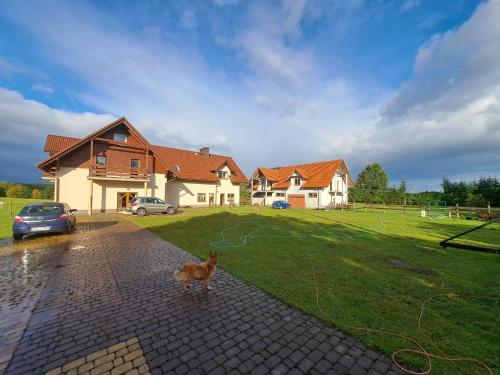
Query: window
[
  {"x": 313, "y": 195},
  {"x": 331, "y": 185},
  {"x": 202, "y": 197},
  {"x": 230, "y": 196},
  {"x": 177, "y": 167},
  {"x": 135, "y": 163},
  {"x": 120, "y": 137},
  {"x": 296, "y": 181},
  {"x": 158, "y": 200},
  {"x": 259, "y": 194},
  {"x": 280, "y": 195},
  {"x": 222, "y": 175},
  {"x": 269, "y": 193},
  {"x": 100, "y": 160},
  {"x": 150, "y": 200}
]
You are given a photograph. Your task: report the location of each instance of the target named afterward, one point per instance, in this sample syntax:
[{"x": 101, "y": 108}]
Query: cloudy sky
[{"x": 412, "y": 84}]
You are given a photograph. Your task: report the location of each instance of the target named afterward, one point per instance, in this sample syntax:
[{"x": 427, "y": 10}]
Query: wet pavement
[{"x": 103, "y": 300}]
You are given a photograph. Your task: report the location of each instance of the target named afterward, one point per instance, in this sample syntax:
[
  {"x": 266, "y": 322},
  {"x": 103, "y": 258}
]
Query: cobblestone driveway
[{"x": 99, "y": 300}]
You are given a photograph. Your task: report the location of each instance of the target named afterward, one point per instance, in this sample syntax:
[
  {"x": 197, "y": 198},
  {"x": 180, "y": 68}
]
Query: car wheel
[
  {"x": 170, "y": 211},
  {"x": 141, "y": 212},
  {"x": 17, "y": 236}
]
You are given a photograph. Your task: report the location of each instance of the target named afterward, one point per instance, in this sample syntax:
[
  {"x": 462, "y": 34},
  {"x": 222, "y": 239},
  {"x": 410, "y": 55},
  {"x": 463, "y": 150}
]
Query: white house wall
[
  {"x": 323, "y": 200},
  {"x": 184, "y": 193},
  {"x": 73, "y": 188}
]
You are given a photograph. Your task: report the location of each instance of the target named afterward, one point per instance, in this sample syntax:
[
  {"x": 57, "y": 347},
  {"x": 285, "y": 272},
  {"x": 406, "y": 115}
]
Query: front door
[
  {"x": 222, "y": 199},
  {"x": 124, "y": 200},
  {"x": 211, "y": 199}
]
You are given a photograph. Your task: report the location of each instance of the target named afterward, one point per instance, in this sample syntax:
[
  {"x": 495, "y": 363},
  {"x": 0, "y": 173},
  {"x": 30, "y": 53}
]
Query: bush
[
  {"x": 36, "y": 194},
  {"x": 18, "y": 191}
]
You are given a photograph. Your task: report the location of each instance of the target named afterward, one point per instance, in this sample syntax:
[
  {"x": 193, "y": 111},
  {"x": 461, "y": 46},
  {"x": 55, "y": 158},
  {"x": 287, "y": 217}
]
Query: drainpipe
[{"x": 56, "y": 189}]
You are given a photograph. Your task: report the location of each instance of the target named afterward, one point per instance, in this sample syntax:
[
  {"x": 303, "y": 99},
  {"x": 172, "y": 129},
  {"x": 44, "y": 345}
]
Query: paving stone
[
  {"x": 122, "y": 368},
  {"x": 115, "y": 303}
]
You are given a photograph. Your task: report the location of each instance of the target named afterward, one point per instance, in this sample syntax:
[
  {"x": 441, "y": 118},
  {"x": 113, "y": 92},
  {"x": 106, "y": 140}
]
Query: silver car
[{"x": 147, "y": 205}]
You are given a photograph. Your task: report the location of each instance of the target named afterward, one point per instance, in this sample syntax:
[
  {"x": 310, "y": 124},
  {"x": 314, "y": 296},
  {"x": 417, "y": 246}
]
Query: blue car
[
  {"x": 47, "y": 217},
  {"x": 281, "y": 204}
]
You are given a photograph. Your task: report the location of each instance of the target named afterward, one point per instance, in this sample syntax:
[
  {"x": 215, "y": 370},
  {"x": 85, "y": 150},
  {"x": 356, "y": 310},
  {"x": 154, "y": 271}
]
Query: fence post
[
  {"x": 365, "y": 206},
  {"x": 405, "y": 206},
  {"x": 489, "y": 208},
  {"x": 10, "y": 210},
  {"x": 354, "y": 204},
  {"x": 458, "y": 215},
  {"x": 383, "y": 204}
]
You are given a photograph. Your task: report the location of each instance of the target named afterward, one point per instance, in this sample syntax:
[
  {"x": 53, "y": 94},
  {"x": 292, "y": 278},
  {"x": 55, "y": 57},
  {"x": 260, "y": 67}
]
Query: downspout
[{"x": 56, "y": 188}]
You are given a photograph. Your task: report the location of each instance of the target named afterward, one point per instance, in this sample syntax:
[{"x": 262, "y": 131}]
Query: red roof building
[
  {"x": 105, "y": 170},
  {"x": 311, "y": 185}
]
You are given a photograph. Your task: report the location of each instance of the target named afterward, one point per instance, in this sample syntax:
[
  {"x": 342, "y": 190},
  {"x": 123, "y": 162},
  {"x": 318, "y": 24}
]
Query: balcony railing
[{"x": 130, "y": 173}]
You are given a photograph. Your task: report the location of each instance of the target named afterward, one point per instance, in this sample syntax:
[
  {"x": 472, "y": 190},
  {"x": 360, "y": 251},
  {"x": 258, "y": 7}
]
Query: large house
[
  {"x": 313, "y": 185},
  {"x": 107, "y": 169}
]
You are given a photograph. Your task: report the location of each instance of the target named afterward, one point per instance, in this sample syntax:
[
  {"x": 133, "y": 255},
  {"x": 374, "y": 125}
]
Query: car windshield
[
  {"x": 42, "y": 209},
  {"x": 49, "y": 209},
  {"x": 133, "y": 200}
]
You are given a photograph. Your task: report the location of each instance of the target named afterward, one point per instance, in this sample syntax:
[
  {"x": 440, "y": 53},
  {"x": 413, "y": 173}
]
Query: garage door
[{"x": 297, "y": 201}]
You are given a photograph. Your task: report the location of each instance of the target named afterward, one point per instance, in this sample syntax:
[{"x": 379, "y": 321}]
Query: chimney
[{"x": 205, "y": 151}]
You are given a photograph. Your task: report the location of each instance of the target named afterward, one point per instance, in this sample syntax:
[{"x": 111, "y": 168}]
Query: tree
[
  {"x": 48, "y": 192},
  {"x": 457, "y": 192},
  {"x": 487, "y": 189},
  {"x": 36, "y": 194},
  {"x": 18, "y": 191},
  {"x": 372, "y": 182},
  {"x": 402, "y": 187}
]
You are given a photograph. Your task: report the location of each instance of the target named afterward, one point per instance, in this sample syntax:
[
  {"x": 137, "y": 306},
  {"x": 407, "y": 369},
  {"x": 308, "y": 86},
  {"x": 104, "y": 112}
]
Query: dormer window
[
  {"x": 119, "y": 137},
  {"x": 296, "y": 181},
  {"x": 177, "y": 167},
  {"x": 223, "y": 175}
]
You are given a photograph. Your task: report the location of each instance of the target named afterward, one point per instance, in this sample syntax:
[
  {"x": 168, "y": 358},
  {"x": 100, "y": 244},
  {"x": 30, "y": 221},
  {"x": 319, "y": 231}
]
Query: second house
[{"x": 312, "y": 185}]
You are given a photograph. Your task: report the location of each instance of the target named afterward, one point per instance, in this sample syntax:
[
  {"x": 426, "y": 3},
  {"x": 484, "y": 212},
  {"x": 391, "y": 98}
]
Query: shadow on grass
[{"x": 364, "y": 276}]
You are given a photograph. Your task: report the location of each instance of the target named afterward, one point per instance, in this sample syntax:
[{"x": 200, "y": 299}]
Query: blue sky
[{"x": 413, "y": 84}]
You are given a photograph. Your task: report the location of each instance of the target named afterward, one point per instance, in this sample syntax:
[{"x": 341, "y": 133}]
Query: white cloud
[
  {"x": 410, "y": 4},
  {"x": 285, "y": 106},
  {"x": 43, "y": 88},
  {"x": 8, "y": 69},
  {"x": 446, "y": 119},
  {"x": 24, "y": 121}
]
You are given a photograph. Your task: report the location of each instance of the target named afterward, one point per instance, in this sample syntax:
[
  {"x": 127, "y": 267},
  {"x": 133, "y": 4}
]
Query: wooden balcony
[{"x": 104, "y": 172}]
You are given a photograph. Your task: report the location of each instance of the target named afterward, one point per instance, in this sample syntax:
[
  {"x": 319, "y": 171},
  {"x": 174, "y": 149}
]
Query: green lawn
[
  {"x": 6, "y": 217},
  {"x": 373, "y": 270}
]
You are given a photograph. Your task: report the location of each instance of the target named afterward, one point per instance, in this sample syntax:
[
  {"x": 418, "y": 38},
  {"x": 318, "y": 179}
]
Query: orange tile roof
[
  {"x": 281, "y": 185},
  {"x": 316, "y": 175},
  {"x": 56, "y": 143},
  {"x": 193, "y": 166},
  {"x": 196, "y": 167}
]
